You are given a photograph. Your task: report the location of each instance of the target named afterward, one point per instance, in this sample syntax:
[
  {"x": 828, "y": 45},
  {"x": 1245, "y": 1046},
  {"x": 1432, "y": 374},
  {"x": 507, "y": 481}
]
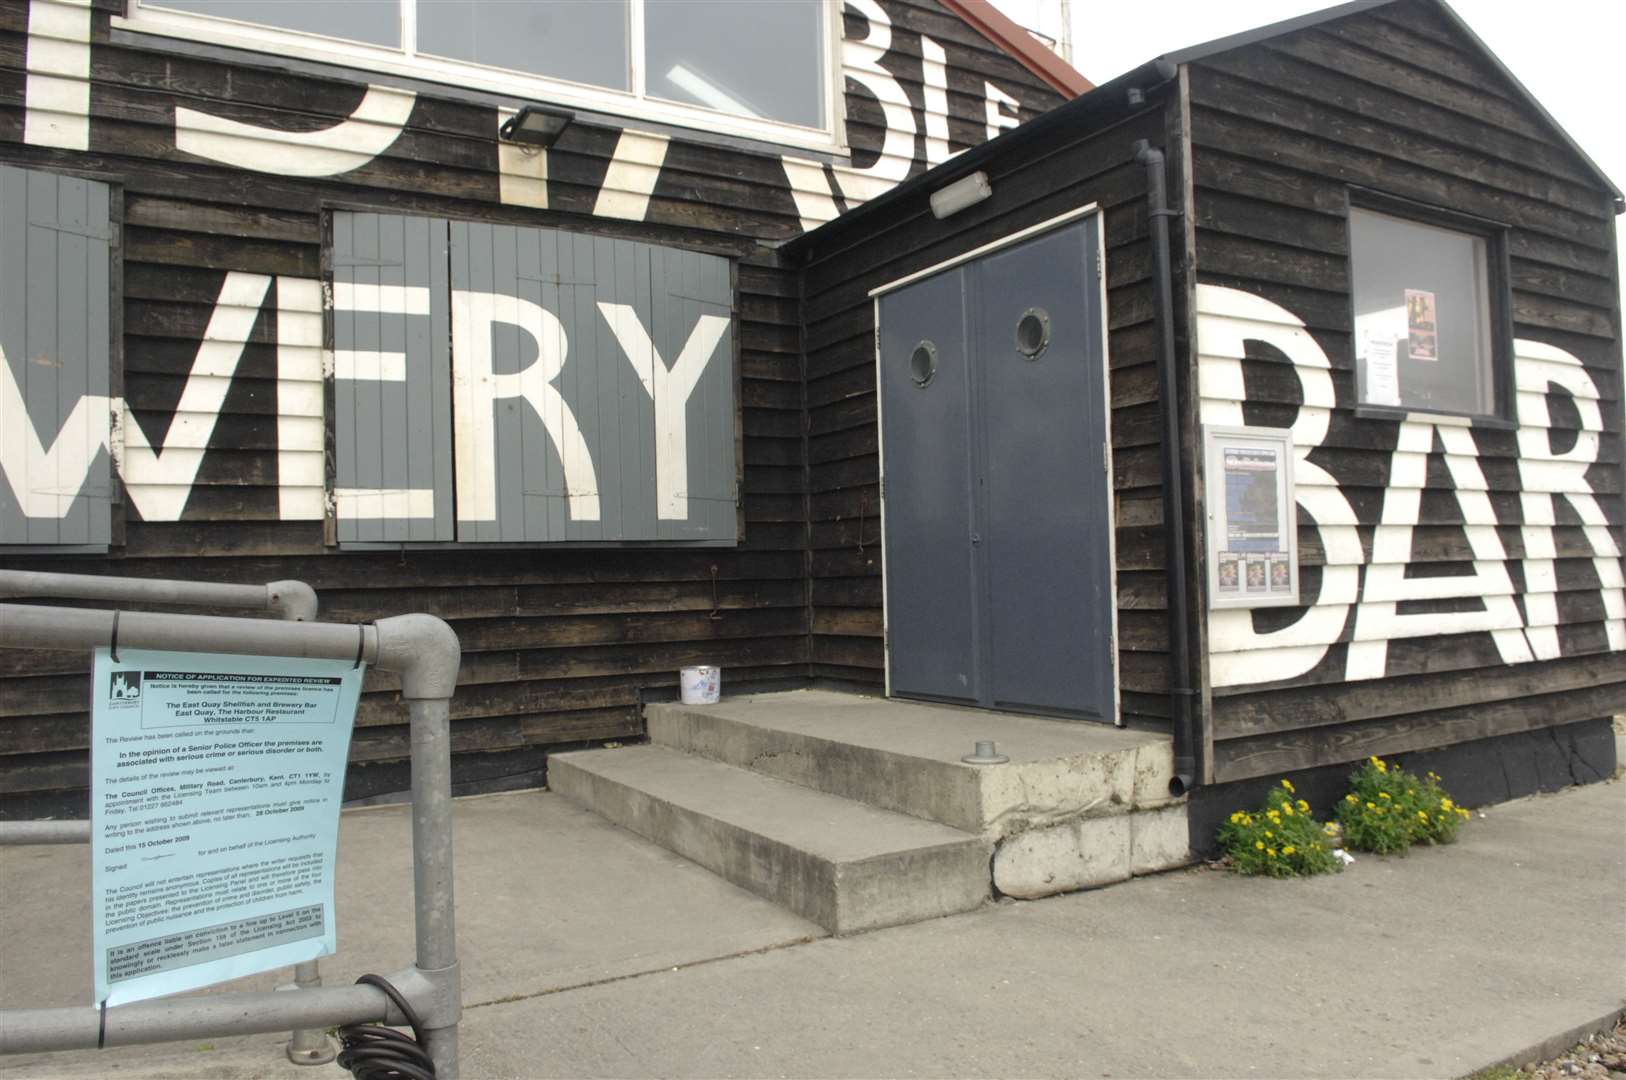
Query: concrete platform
[
  {"x": 588, "y": 952},
  {"x": 845, "y": 865},
  {"x": 549, "y": 897},
  {"x": 905, "y": 756},
  {"x": 762, "y": 788}
]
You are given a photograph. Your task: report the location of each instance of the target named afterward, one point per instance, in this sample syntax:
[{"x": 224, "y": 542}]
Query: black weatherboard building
[
  {"x": 1354, "y": 234},
  {"x": 1268, "y": 395}
]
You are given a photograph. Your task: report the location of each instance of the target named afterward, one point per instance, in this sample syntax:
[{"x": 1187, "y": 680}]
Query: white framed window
[{"x": 762, "y": 70}]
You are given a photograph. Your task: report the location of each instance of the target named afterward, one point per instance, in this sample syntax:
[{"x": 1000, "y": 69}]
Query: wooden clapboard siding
[
  {"x": 1031, "y": 186},
  {"x": 1398, "y": 100},
  {"x": 948, "y": 119},
  {"x": 562, "y": 644}
]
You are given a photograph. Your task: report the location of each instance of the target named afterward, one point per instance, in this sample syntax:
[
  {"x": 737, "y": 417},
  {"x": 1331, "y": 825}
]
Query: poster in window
[
  {"x": 1256, "y": 573},
  {"x": 1382, "y": 372},
  {"x": 1252, "y": 529},
  {"x": 1281, "y": 574},
  {"x": 1422, "y": 326}
]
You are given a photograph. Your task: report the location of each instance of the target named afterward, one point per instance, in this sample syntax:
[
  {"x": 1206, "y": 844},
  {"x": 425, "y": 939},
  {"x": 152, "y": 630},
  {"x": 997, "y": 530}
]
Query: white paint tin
[{"x": 701, "y": 685}]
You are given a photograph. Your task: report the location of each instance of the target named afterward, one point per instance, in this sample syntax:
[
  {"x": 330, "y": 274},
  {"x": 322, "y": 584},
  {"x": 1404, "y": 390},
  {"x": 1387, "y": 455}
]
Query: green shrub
[
  {"x": 1389, "y": 809},
  {"x": 1281, "y": 840}
]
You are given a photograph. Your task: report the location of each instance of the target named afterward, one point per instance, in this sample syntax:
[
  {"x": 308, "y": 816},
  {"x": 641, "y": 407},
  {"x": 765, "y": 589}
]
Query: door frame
[{"x": 1016, "y": 237}]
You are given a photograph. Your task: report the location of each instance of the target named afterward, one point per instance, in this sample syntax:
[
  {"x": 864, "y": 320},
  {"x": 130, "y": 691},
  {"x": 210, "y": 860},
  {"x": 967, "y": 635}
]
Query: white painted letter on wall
[
  {"x": 159, "y": 479},
  {"x": 348, "y": 145},
  {"x": 476, "y": 389},
  {"x": 670, "y": 390}
]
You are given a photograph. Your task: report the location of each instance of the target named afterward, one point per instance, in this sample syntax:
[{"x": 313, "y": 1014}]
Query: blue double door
[{"x": 998, "y": 571}]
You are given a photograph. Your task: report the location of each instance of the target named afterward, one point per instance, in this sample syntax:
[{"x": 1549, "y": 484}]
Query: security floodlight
[
  {"x": 964, "y": 192},
  {"x": 536, "y": 126}
]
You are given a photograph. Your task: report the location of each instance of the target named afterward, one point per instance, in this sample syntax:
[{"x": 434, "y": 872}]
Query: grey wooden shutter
[
  {"x": 55, "y": 410},
  {"x": 392, "y": 421},
  {"x": 579, "y": 456},
  {"x": 684, "y": 288}
]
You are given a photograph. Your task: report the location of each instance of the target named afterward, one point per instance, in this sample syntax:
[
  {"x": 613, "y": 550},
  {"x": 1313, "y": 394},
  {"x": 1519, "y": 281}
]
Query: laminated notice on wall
[
  {"x": 1252, "y": 541},
  {"x": 216, "y": 782},
  {"x": 1422, "y": 326}
]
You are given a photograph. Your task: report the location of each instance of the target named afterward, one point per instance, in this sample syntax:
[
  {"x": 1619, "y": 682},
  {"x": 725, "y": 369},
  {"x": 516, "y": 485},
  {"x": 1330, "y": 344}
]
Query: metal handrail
[
  {"x": 291, "y": 600},
  {"x": 424, "y": 651}
]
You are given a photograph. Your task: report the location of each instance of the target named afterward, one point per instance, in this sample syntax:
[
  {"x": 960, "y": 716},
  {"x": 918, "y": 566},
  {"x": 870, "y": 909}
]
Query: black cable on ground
[{"x": 375, "y": 1052}]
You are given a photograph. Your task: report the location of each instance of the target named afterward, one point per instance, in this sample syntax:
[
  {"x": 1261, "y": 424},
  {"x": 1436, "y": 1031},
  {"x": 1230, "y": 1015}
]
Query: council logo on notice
[{"x": 124, "y": 686}]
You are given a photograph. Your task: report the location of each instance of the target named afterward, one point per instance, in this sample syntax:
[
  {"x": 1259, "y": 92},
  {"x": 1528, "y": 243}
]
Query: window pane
[
  {"x": 375, "y": 22},
  {"x": 756, "y": 59},
  {"x": 1422, "y": 315},
  {"x": 583, "y": 41}
]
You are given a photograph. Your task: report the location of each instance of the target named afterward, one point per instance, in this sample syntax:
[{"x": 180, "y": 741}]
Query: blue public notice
[{"x": 216, "y": 782}]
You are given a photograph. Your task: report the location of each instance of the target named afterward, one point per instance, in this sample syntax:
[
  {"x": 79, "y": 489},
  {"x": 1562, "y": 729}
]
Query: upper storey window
[
  {"x": 758, "y": 69},
  {"x": 1432, "y": 327}
]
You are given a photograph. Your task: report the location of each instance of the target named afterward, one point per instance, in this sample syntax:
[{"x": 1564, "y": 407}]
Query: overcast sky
[{"x": 1566, "y": 52}]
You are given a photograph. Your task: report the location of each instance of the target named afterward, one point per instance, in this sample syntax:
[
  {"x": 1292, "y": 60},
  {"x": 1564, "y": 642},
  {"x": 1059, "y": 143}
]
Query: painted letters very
[
  {"x": 584, "y": 395},
  {"x": 509, "y": 354}
]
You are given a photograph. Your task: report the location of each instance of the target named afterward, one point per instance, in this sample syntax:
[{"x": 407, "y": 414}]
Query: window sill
[
  {"x": 455, "y": 81},
  {"x": 524, "y": 545},
  {"x": 1385, "y": 412}
]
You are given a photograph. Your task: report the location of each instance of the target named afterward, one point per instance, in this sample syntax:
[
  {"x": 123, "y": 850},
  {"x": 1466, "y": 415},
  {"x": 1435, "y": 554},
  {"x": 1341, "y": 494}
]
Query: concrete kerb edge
[{"x": 1554, "y": 1045}]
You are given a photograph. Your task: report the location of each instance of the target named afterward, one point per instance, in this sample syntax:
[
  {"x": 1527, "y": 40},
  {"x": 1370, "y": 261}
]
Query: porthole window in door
[
  {"x": 923, "y": 363},
  {"x": 1033, "y": 332}
]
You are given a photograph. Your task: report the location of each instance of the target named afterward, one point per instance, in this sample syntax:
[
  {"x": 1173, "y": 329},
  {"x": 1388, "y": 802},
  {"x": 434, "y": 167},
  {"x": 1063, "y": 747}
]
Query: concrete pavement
[{"x": 590, "y": 953}]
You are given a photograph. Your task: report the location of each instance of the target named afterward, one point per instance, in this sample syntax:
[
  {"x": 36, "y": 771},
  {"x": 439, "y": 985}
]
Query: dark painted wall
[
  {"x": 1030, "y": 185},
  {"x": 1460, "y": 583},
  {"x": 222, "y": 261}
]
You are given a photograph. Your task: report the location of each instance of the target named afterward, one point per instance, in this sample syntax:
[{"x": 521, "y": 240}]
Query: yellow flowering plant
[
  {"x": 1281, "y": 839},
  {"x": 1389, "y": 809}
]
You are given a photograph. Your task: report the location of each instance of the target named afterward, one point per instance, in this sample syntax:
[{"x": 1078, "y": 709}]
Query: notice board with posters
[{"x": 1252, "y": 518}]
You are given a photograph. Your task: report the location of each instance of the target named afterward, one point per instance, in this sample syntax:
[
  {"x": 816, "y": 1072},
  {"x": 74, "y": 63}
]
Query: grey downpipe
[{"x": 1174, "y": 521}]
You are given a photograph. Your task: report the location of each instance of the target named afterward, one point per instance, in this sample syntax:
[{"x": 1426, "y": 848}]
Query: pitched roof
[
  {"x": 1105, "y": 103},
  {"x": 1315, "y": 18},
  {"x": 1020, "y": 45}
]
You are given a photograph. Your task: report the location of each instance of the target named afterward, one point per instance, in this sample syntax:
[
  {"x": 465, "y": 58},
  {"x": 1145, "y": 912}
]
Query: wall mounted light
[
  {"x": 536, "y": 126},
  {"x": 964, "y": 192}
]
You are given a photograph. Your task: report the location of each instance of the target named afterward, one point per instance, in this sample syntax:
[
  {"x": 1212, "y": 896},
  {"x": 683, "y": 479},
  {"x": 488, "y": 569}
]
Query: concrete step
[
  {"x": 844, "y": 865},
  {"x": 905, "y": 756}
]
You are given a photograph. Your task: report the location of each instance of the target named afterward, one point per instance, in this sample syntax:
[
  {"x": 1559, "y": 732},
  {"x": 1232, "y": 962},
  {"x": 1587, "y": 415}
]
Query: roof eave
[
  {"x": 1102, "y": 105},
  {"x": 1021, "y": 46}
]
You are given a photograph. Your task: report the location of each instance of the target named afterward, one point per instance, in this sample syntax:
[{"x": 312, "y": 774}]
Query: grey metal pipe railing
[
  {"x": 291, "y": 600},
  {"x": 73, "y": 831},
  {"x": 29, "y": 1031},
  {"x": 424, "y": 651}
]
